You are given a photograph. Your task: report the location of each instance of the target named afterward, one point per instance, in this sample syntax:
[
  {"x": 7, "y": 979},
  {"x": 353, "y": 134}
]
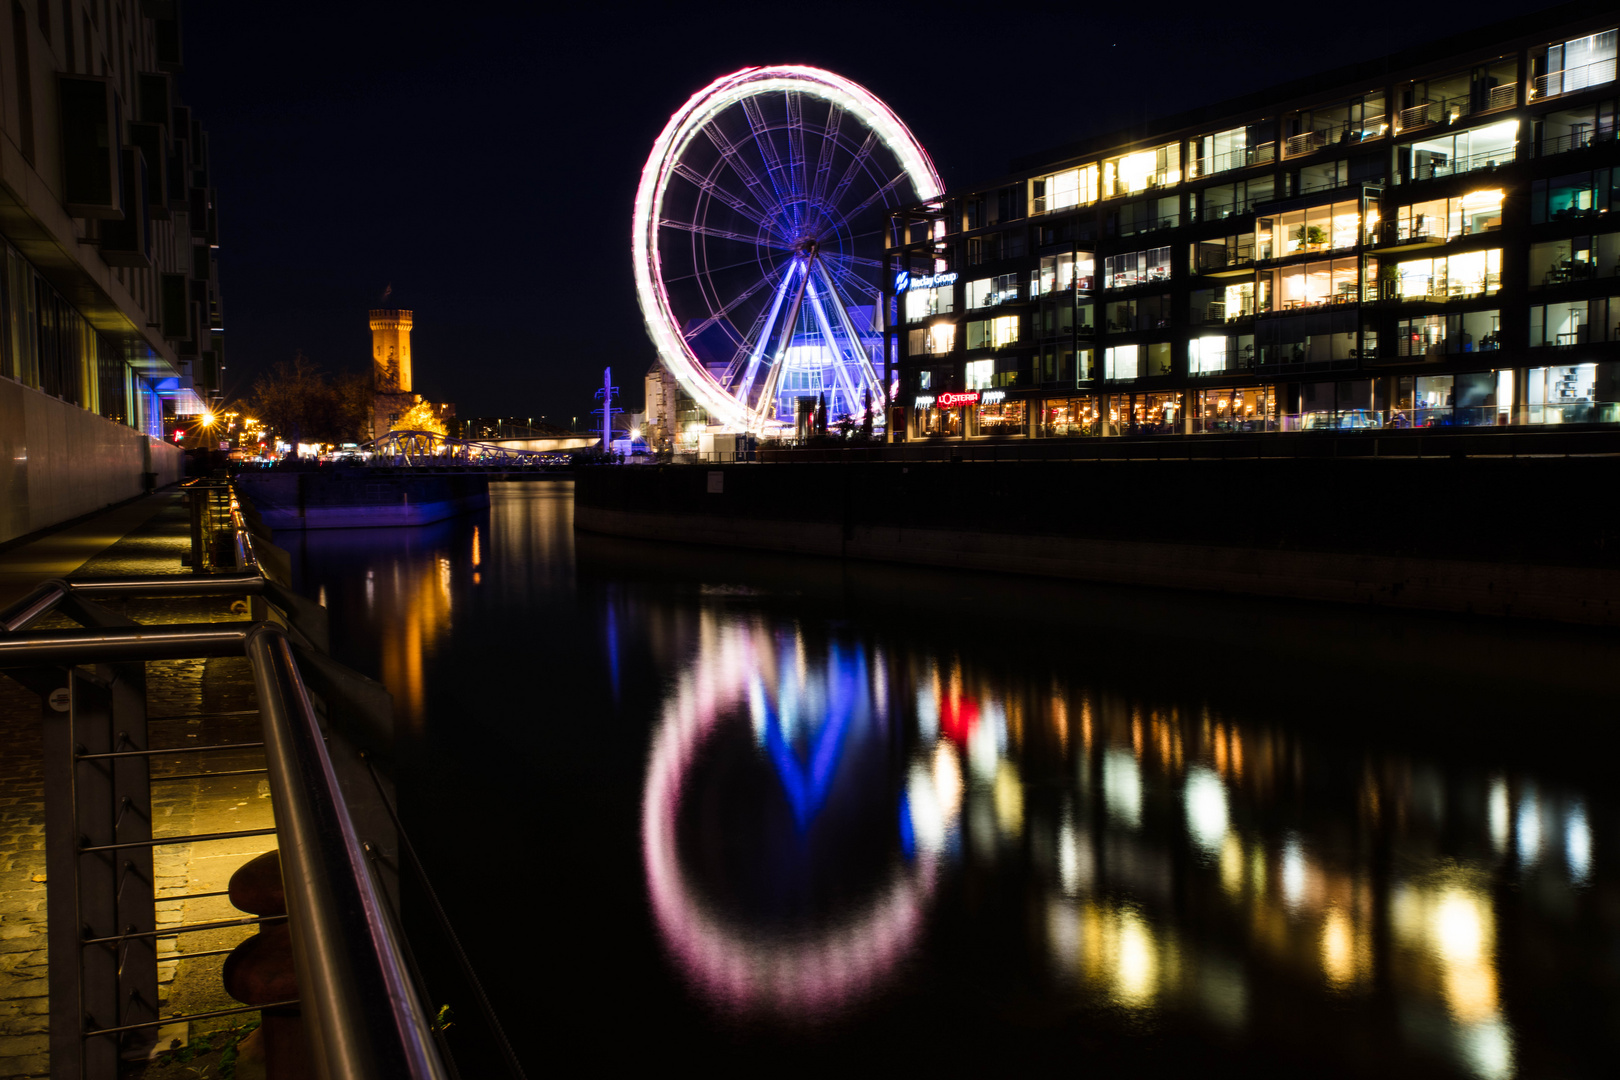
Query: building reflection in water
[
  {"x": 411, "y": 581},
  {"x": 1169, "y": 881}
]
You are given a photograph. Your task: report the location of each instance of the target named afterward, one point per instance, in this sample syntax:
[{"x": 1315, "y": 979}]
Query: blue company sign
[{"x": 903, "y": 280}]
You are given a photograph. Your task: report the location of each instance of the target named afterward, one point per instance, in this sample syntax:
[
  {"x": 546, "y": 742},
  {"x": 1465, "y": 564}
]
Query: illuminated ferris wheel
[{"x": 758, "y": 241}]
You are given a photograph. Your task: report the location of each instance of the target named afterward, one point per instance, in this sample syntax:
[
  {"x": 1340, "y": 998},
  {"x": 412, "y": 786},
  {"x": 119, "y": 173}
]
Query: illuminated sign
[
  {"x": 952, "y": 400},
  {"x": 933, "y": 281},
  {"x": 901, "y": 280},
  {"x": 924, "y": 401},
  {"x": 993, "y": 397}
]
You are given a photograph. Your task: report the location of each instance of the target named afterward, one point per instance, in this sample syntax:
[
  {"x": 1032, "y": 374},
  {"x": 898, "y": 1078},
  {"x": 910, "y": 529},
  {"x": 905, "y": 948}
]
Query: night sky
[{"x": 483, "y": 161}]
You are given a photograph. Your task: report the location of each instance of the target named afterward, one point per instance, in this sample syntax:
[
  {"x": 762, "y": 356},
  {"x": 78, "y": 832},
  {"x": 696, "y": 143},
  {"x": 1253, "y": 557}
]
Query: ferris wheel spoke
[
  {"x": 829, "y": 146},
  {"x": 797, "y": 181},
  {"x": 739, "y": 165},
  {"x": 881, "y": 193},
  {"x": 856, "y": 340},
  {"x": 760, "y": 336},
  {"x": 767, "y": 152},
  {"x": 713, "y": 189},
  {"x": 723, "y": 234},
  {"x": 725, "y": 311},
  {"x": 856, "y": 165}
]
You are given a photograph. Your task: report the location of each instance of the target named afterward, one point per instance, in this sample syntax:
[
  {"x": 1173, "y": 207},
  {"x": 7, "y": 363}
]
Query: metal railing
[
  {"x": 357, "y": 993},
  {"x": 1570, "y": 80},
  {"x": 430, "y": 449}
]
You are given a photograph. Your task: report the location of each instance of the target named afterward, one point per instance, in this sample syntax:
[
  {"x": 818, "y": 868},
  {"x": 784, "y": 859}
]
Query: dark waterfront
[{"x": 772, "y": 813}]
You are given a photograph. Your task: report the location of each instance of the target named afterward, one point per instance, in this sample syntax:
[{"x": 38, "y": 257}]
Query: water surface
[{"x": 770, "y": 813}]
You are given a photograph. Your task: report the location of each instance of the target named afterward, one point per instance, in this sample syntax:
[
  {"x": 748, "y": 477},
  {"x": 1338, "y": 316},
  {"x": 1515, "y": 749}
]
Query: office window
[
  {"x": 1342, "y": 123},
  {"x": 1475, "y": 273},
  {"x": 1322, "y": 338},
  {"x": 1141, "y": 171},
  {"x": 1139, "y": 313},
  {"x": 1234, "y": 148},
  {"x": 1066, "y": 271},
  {"x": 993, "y": 333},
  {"x": 1229, "y": 200},
  {"x": 1451, "y": 155},
  {"x": 1212, "y": 354},
  {"x": 1136, "y": 268},
  {"x": 1146, "y": 215},
  {"x": 1059, "y": 191},
  {"x": 980, "y": 374},
  {"x": 936, "y": 339},
  {"x": 1579, "y": 258},
  {"x": 1222, "y": 253},
  {"x": 1438, "y": 335},
  {"x": 1328, "y": 227},
  {"x": 990, "y": 291},
  {"x": 1575, "y": 129},
  {"x": 1576, "y": 195},
  {"x": 1312, "y": 284},
  {"x": 1575, "y": 322},
  {"x": 922, "y": 303},
  {"x": 1567, "y": 66},
  {"x": 1122, "y": 362},
  {"x": 1447, "y": 219}
]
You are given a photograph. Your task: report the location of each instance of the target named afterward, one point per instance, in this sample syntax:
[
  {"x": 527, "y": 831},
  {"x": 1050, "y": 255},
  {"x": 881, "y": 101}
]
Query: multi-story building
[
  {"x": 1432, "y": 238},
  {"x": 110, "y": 317}
]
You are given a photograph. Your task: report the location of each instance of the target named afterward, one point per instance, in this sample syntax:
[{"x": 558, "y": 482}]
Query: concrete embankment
[
  {"x": 361, "y": 498},
  {"x": 1534, "y": 538},
  {"x": 62, "y": 462}
]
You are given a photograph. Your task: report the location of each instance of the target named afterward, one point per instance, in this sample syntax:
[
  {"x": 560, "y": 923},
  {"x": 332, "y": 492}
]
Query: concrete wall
[
  {"x": 58, "y": 461},
  {"x": 1533, "y": 538}
]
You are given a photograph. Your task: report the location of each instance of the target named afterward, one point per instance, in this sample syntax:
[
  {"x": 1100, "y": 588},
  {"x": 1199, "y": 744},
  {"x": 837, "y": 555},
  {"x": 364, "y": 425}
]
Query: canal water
[{"x": 749, "y": 812}]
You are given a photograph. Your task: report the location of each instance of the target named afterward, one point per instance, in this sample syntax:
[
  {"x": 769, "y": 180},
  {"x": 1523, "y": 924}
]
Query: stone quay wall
[{"x": 1526, "y": 537}]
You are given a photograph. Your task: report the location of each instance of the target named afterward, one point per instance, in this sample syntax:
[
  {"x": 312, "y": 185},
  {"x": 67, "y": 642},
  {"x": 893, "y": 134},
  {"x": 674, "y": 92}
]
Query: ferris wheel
[{"x": 758, "y": 240}]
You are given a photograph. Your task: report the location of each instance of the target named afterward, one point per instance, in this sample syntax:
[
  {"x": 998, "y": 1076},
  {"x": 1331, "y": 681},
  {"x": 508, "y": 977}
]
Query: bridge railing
[{"x": 422, "y": 449}]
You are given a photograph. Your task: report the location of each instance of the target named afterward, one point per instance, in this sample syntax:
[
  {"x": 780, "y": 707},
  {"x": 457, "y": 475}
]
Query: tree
[{"x": 299, "y": 404}]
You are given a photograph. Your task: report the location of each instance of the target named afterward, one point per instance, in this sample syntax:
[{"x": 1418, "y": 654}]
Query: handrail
[
  {"x": 356, "y": 993},
  {"x": 364, "y": 1016}
]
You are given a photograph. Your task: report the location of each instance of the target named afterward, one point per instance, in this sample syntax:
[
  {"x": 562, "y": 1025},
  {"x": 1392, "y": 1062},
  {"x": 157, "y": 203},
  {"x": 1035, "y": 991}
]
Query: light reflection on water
[
  {"x": 827, "y": 795},
  {"x": 1165, "y": 810}
]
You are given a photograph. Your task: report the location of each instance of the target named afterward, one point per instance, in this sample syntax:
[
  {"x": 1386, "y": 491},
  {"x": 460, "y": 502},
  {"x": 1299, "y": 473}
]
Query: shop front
[
  {"x": 1235, "y": 409},
  {"x": 967, "y": 414},
  {"x": 1067, "y": 416}
]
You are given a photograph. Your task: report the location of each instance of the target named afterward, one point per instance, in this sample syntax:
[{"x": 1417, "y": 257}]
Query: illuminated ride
[{"x": 758, "y": 241}]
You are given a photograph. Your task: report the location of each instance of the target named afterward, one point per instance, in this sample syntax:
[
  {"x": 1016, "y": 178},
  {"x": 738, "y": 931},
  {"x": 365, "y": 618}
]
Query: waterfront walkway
[{"x": 147, "y": 536}]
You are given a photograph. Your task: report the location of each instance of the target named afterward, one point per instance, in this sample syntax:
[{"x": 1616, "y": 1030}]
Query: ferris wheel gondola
[{"x": 758, "y": 239}]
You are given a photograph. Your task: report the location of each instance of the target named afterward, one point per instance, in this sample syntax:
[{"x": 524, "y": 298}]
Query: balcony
[
  {"x": 1263, "y": 154},
  {"x": 1304, "y": 143},
  {"x": 1438, "y": 165},
  {"x": 1575, "y": 140},
  {"x": 1570, "y": 80}
]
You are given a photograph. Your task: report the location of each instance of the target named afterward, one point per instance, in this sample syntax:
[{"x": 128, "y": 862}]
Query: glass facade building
[
  {"x": 1429, "y": 240},
  {"x": 109, "y": 283}
]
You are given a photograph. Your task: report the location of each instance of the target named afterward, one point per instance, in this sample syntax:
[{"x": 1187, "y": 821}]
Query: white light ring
[
  {"x": 684, "y": 126},
  {"x": 795, "y": 974}
]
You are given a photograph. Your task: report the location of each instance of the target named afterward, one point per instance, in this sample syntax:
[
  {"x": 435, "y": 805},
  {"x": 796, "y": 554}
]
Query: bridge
[{"x": 427, "y": 448}]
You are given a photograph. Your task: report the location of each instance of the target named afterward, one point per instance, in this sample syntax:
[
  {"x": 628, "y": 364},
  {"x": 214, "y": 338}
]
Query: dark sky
[{"x": 484, "y": 161}]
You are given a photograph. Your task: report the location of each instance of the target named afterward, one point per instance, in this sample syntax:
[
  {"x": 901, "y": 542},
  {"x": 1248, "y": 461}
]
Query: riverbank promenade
[{"x": 189, "y": 702}]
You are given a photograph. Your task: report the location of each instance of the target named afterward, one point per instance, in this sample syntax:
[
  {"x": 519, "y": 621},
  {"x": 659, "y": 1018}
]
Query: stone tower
[
  {"x": 391, "y": 350},
  {"x": 391, "y": 368}
]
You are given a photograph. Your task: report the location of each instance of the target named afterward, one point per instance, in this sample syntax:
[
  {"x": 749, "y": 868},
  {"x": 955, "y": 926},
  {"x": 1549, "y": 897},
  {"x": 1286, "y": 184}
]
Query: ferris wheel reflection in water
[{"x": 1156, "y": 800}]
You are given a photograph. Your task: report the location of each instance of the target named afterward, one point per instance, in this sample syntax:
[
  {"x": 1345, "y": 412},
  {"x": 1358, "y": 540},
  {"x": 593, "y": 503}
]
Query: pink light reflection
[{"x": 813, "y": 972}]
